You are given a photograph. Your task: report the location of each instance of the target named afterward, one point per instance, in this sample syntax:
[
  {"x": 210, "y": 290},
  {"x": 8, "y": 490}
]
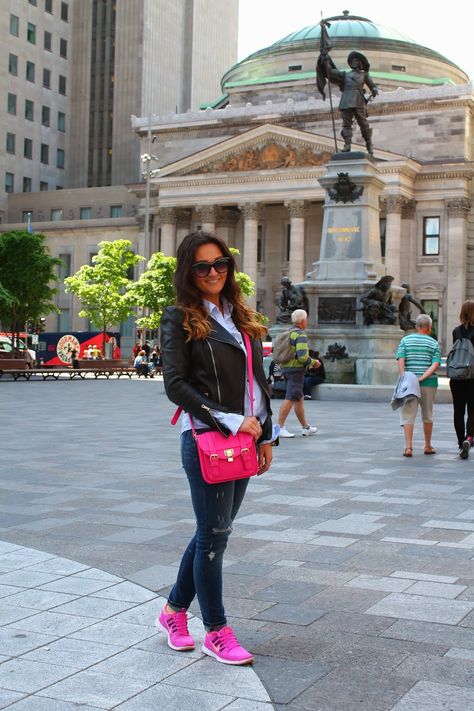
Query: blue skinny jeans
[{"x": 200, "y": 572}]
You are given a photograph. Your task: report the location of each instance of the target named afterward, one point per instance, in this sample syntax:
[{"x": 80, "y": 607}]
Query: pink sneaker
[
  {"x": 223, "y": 646},
  {"x": 175, "y": 625}
]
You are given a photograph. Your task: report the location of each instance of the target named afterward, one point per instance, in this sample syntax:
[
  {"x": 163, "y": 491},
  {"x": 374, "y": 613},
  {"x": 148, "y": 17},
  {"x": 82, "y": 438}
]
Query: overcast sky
[{"x": 448, "y": 29}]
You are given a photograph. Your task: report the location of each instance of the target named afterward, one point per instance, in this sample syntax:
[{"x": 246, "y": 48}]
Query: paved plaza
[{"x": 350, "y": 572}]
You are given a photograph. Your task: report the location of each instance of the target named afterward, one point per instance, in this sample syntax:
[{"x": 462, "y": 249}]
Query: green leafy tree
[
  {"x": 102, "y": 287},
  {"x": 154, "y": 290},
  {"x": 27, "y": 277}
]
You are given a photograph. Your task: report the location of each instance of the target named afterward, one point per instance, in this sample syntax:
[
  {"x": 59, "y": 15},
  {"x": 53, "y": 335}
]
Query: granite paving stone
[
  {"x": 422, "y": 608},
  {"x": 341, "y": 528},
  {"x": 29, "y": 676},
  {"x": 432, "y": 696},
  {"x": 102, "y": 690},
  {"x": 8, "y": 697}
]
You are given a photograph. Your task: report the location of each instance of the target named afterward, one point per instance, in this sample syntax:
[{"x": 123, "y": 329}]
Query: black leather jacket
[{"x": 208, "y": 374}]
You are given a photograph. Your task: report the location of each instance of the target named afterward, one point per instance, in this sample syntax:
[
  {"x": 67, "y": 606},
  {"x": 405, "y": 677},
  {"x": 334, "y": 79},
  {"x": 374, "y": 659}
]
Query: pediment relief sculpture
[{"x": 268, "y": 156}]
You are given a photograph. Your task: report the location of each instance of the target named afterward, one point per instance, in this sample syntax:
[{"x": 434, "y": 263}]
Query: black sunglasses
[{"x": 202, "y": 269}]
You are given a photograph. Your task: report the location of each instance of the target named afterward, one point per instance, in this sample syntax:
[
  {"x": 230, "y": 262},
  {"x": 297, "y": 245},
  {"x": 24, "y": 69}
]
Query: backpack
[
  {"x": 460, "y": 360},
  {"x": 283, "y": 350}
]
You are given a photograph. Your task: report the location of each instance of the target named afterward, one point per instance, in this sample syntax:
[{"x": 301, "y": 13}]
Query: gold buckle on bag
[{"x": 229, "y": 453}]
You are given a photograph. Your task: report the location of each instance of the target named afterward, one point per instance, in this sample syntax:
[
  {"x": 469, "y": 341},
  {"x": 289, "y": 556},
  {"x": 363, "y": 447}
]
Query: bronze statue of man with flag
[{"x": 353, "y": 102}]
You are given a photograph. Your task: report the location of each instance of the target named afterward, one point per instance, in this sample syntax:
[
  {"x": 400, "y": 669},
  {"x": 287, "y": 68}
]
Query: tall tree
[
  {"x": 27, "y": 277},
  {"x": 102, "y": 286}
]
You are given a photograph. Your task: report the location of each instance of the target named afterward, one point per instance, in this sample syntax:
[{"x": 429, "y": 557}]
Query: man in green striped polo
[
  {"x": 420, "y": 354},
  {"x": 294, "y": 371}
]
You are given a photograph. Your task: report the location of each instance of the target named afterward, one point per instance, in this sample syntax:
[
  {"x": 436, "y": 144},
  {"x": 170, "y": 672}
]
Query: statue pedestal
[{"x": 350, "y": 264}]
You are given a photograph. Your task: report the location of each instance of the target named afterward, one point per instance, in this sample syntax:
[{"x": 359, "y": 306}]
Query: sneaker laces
[
  {"x": 179, "y": 623},
  {"x": 226, "y": 639}
]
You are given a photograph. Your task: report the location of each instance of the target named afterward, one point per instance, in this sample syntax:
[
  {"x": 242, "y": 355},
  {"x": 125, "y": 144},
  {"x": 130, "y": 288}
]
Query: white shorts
[{"x": 409, "y": 409}]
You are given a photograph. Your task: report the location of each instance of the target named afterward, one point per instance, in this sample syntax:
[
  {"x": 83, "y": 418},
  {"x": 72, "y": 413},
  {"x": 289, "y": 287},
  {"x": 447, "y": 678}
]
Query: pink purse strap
[{"x": 248, "y": 348}]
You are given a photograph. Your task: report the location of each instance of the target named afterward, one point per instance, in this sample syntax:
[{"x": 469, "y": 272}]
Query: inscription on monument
[
  {"x": 336, "y": 309},
  {"x": 343, "y": 235}
]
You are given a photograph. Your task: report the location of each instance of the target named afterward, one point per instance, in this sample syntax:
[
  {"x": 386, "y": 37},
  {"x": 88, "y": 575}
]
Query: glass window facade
[
  {"x": 85, "y": 213},
  {"x": 64, "y": 270},
  {"x": 47, "y": 78},
  {"x": 43, "y": 186},
  {"x": 27, "y": 185},
  {"x": 31, "y": 33},
  {"x": 61, "y": 121},
  {"x": 116, "y": 211},
  {"x": 62, "y": 85},
  {"x": 64, "y": 11},
  {"x": 60, "y": 158},
  {"x": 28, "y": 148},
  {"x": 30, "y": 71},
  {"x": 10, "y": 143},
  {"x": 13, "y": 64},
  {"x": 9, "y": 182},
  {"x": 431, "y": 236},
  {"x": 64, "y": 320},
  {"x": 29, "y": 110},
  {"x": 56, "y": 215},
  {"x": 45, "y": 153},
  {"x": 63, "y": 48},
  {"x": 14, "y": 25},
  {"x": 11, "y": 104},
  {"x": 48, "y": 6},
  {"x": 45, "y": 116},
  {"x": 48, "y": 41}
]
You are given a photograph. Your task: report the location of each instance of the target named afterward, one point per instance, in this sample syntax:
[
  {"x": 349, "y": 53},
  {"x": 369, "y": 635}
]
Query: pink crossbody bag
[{"x": 226, "y": 458}]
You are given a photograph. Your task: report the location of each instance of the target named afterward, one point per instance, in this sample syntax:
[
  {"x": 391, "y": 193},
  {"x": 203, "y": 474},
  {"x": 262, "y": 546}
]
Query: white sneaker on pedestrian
[
  {"x": 306, "y": 431},
  {"x": 284, "y": 433}
]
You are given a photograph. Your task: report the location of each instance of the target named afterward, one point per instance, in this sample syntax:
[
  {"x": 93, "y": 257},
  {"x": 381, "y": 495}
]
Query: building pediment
[{"x": 264, "y": 148}]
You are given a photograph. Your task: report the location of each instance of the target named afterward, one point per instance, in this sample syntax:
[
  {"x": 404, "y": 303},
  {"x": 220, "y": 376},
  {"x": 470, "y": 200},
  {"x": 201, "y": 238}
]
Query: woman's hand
[
  {"x": 252, "y": 426},
  {"x": 265, "y": 455}
]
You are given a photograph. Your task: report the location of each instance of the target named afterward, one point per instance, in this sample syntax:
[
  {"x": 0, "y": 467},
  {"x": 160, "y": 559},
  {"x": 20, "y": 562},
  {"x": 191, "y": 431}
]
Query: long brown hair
[
  {"x": 467, "y": 314},
  {"x": 189, "y": 298}
]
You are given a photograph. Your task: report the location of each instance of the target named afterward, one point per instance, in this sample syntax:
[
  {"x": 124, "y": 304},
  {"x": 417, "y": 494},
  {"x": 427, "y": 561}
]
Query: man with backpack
[
  {"x": 294, "y": 364},
  {"x": 460, "y": 370}
]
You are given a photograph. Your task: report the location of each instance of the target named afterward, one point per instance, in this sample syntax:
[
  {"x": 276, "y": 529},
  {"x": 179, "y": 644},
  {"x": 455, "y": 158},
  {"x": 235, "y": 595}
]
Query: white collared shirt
[{"x": 232, "y": 420}]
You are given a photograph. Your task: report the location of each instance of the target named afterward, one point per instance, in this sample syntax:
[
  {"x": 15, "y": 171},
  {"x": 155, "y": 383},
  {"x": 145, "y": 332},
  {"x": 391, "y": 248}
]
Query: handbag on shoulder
[{"x": 227, "y": 458}]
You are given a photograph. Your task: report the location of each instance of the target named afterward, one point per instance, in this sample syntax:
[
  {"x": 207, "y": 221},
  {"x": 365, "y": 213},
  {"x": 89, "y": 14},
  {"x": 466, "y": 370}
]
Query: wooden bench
[{"x": 54, "y": 373}]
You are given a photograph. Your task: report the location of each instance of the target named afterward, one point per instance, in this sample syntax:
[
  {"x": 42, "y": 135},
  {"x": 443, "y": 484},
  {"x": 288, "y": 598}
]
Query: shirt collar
[{"x": 213, "y": 309}]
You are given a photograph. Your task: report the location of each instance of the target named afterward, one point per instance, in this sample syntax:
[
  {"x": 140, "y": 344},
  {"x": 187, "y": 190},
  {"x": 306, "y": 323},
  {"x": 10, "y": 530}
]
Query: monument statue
[
  {"x": 291, "y": 298},
  {"x": 377, "y": 303},
  {"x": 404, "y": 310},
  {"x": 353, "y": 102}
]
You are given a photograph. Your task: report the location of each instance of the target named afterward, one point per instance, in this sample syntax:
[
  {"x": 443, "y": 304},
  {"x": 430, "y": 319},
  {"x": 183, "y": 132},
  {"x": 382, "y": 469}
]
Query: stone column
[
  {"x": 408, "y": 242},
  {"x": 227, "y": 219},
  {"x": 455, "y": 252},
  {"x": 296, "y": 270},
  {"x": 393, "y": 211},
  {"x": 251, "y": 213},
  {"x": 167, "y": 217},
  {"x": 183, "y": 224},
  {"x": 207, "y": 215}
]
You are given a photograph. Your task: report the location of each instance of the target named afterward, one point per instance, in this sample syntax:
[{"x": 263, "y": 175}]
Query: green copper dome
[
  {"x": 348, "y": 27},
  {"x": 288, "y": 65}
]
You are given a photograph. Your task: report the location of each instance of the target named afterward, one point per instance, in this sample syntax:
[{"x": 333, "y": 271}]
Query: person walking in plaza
[
  {"x": 205, "y": 373},
  {"x": 463, "y": 390},
  {"x": 420, "y": 354},
  {"x": 294, "y": 371}
]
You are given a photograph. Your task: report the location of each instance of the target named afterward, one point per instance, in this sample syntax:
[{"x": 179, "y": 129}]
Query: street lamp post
[{"x": 148, "y": 174}]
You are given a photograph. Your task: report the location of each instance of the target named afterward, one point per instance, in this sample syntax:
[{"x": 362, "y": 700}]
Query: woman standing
[
  {"x": 205, "y": 373},
  {"x": 463, "y": 390}
]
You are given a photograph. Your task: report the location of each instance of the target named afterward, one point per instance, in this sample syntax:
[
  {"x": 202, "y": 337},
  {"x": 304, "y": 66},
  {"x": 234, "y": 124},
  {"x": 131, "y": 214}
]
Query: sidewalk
[{"x": 350, "y": 571}]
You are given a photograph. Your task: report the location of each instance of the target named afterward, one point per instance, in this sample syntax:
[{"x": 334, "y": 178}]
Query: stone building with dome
[{"x": 247, "y": 166}]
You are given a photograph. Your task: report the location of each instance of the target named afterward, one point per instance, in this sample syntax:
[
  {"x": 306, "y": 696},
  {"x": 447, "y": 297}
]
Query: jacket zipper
[
  {"x": 215, "y": 372},
  {"x": 208, "y": 409}
]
